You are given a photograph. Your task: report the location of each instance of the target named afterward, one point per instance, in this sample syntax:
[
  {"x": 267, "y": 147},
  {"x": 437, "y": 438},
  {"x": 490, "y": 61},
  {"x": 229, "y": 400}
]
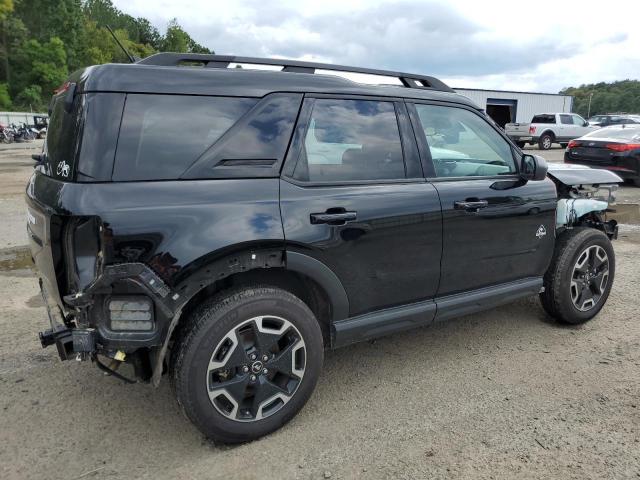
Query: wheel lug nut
[
  {"x": 253, "y": 378},
  {"x": 265, "y": 358},
  {"x": 265, "y": 371},
  {"x": 253, "y": 356},
  {"x": 245, "y": 369}
]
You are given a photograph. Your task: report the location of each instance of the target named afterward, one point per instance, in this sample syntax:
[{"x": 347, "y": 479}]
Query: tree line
[
  {"x": 615, "y": 97},
  {"x": 42, "y": 41}
]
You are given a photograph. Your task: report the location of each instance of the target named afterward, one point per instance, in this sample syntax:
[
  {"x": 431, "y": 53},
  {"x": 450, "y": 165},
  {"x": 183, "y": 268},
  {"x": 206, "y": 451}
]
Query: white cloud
[{"x": 543, "y": 46}]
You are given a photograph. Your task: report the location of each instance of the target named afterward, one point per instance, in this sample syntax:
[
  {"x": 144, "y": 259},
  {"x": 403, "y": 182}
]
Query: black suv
[{"x": 226, "y": 225}]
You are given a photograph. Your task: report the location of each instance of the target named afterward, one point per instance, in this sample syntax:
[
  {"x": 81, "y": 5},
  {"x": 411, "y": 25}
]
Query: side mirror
[
  {"x": 533, "y": 167},
  {"x": 586, "y": 124}
]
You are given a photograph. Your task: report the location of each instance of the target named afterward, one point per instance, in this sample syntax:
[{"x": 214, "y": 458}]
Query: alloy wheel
[
  {"x": 589, "y": 278},
  {"x": 256, "y": 368}
]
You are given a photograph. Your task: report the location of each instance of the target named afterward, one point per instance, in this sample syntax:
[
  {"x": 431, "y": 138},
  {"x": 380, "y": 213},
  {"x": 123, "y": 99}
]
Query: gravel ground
[{"x": 502, "y": 394}]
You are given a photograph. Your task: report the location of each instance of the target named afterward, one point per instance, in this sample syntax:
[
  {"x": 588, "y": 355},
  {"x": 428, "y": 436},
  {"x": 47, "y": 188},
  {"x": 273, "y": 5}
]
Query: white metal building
[
  {"x": 8, "y": 118},
  {"x": 505, "y": 107}
]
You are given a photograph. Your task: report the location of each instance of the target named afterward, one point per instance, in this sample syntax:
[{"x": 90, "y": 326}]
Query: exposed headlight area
[
  {"x": 606, "y": 193},
  {"x": 131, "y": 313}
]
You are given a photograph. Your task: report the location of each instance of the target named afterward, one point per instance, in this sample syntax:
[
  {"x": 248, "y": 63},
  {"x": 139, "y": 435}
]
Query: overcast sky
[{"x": 517, "y": 45}]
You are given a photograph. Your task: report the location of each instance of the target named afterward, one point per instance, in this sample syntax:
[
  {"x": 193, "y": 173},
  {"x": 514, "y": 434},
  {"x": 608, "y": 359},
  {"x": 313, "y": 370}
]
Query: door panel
[
  {"x": 566, "y": 128},
  {"x": 495, "y": 228},
  {"x": 389, "y": 255},
  {"x": 498, "y": 239}
]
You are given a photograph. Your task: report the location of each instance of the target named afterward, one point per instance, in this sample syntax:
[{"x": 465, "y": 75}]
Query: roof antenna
[{"x": 132, "y": 59}]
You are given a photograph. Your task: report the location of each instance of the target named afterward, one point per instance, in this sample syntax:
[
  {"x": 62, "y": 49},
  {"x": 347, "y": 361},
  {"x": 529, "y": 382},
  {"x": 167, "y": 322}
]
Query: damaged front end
[{"x": 585, "y": 195}]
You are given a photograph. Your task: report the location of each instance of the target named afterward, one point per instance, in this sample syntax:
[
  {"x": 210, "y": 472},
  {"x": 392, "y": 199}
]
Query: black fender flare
[
  {"x": 293, "y": 261},
  {"x": 323, "y": 276}
]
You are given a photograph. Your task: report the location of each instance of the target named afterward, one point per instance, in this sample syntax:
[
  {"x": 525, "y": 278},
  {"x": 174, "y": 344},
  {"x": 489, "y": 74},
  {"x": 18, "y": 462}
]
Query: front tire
[
  {"x": 579, "y": 279},
  {"x": 245, "y": 362}
]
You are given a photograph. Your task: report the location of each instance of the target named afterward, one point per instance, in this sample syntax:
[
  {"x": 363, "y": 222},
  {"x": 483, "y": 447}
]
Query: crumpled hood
[{"x": 571, "y": 174}]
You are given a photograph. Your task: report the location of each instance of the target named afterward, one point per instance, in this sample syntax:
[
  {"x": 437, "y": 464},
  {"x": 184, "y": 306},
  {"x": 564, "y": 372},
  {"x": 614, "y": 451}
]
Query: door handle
[
  {"x": 333, "y": 217},
  {"x": 470, "y": 205}
]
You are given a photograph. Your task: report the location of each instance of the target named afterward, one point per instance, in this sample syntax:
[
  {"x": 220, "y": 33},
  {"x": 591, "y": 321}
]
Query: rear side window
[
  {"x": 349, "y": 140},
  {"x": 544, "y": 119},
  {"x": 162, "y": 135},
  {"x": 62, "y": 137}
]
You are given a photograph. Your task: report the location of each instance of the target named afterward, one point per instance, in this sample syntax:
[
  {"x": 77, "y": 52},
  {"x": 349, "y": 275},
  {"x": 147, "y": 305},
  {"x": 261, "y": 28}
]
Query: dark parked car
[
  {"x": 607, "y": 120},
  {"x": 615, "y": 148},
  {"x": 295, "y": 212}
]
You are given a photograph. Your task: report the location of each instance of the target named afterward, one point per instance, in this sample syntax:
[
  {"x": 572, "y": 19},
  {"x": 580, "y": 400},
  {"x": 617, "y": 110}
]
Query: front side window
[
  {"x": 463, "y": 144},
  {"x": 578, "y": 120},
  {"x": 162, "y": 135},
  {"x": 350, "y": 140},
  {"x": 566, "y": 119}
]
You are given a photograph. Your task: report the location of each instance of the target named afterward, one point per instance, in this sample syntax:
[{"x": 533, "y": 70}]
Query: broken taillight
[{"x": 62, "y": 88}]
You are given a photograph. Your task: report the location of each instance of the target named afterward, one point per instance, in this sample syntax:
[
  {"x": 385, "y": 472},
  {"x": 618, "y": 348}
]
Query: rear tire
[
  {"x": 545, "y": 141},
  {"x": 579, "y": 278},
  {"x": 245, "y": 362}
]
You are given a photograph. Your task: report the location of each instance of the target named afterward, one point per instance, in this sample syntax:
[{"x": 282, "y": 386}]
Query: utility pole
[{"x": 589, "y": 109}]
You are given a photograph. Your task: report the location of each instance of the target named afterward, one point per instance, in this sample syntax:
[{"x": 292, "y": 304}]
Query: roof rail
[{"x": 409, "y": 80}]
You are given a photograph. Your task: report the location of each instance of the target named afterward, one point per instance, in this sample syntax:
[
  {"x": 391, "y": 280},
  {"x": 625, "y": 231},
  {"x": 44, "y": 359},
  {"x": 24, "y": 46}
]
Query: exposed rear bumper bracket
[{"x": 69, "y": 341}]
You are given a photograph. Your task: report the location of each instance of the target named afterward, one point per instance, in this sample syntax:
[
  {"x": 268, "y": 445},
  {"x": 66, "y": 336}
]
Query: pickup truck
[{"x": 548, "y": 128}]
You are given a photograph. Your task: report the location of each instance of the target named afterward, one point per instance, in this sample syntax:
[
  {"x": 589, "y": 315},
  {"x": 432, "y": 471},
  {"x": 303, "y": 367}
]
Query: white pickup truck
[{"x": 548, "y": 128}]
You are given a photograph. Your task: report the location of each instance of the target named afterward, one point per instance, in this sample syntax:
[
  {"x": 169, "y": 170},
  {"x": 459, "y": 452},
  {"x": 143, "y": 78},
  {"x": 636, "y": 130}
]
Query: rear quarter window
[
  {"x": 544, "y": 119},
  {"x": 161, "y": 136},
  {"x": 61, "y": 145}
]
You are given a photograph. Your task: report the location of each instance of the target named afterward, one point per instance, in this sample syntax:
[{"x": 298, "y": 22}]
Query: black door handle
[
  {"x": 470, "y": 205},
  {"x": 333, "y": 218}
]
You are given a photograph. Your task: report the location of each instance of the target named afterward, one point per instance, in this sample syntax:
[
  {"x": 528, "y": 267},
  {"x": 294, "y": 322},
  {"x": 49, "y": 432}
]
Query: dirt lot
[{"x": 502, "y": 394}]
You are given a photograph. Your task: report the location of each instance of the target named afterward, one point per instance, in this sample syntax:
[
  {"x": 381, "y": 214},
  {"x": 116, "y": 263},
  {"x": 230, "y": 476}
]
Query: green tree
[
  {"x": 41, "y": 41},
  {"x": 30, "y": 98},
  {"x": 177, "y": 40},
  {"x": 620, "y": 96},
  {"x": 6, "y": 7},
  {"x": 5, "y": 99},
  {"x": 64, "y": 19},
  {"x": 148, "y": 34},
  {"x": 43, "y": 66}
]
